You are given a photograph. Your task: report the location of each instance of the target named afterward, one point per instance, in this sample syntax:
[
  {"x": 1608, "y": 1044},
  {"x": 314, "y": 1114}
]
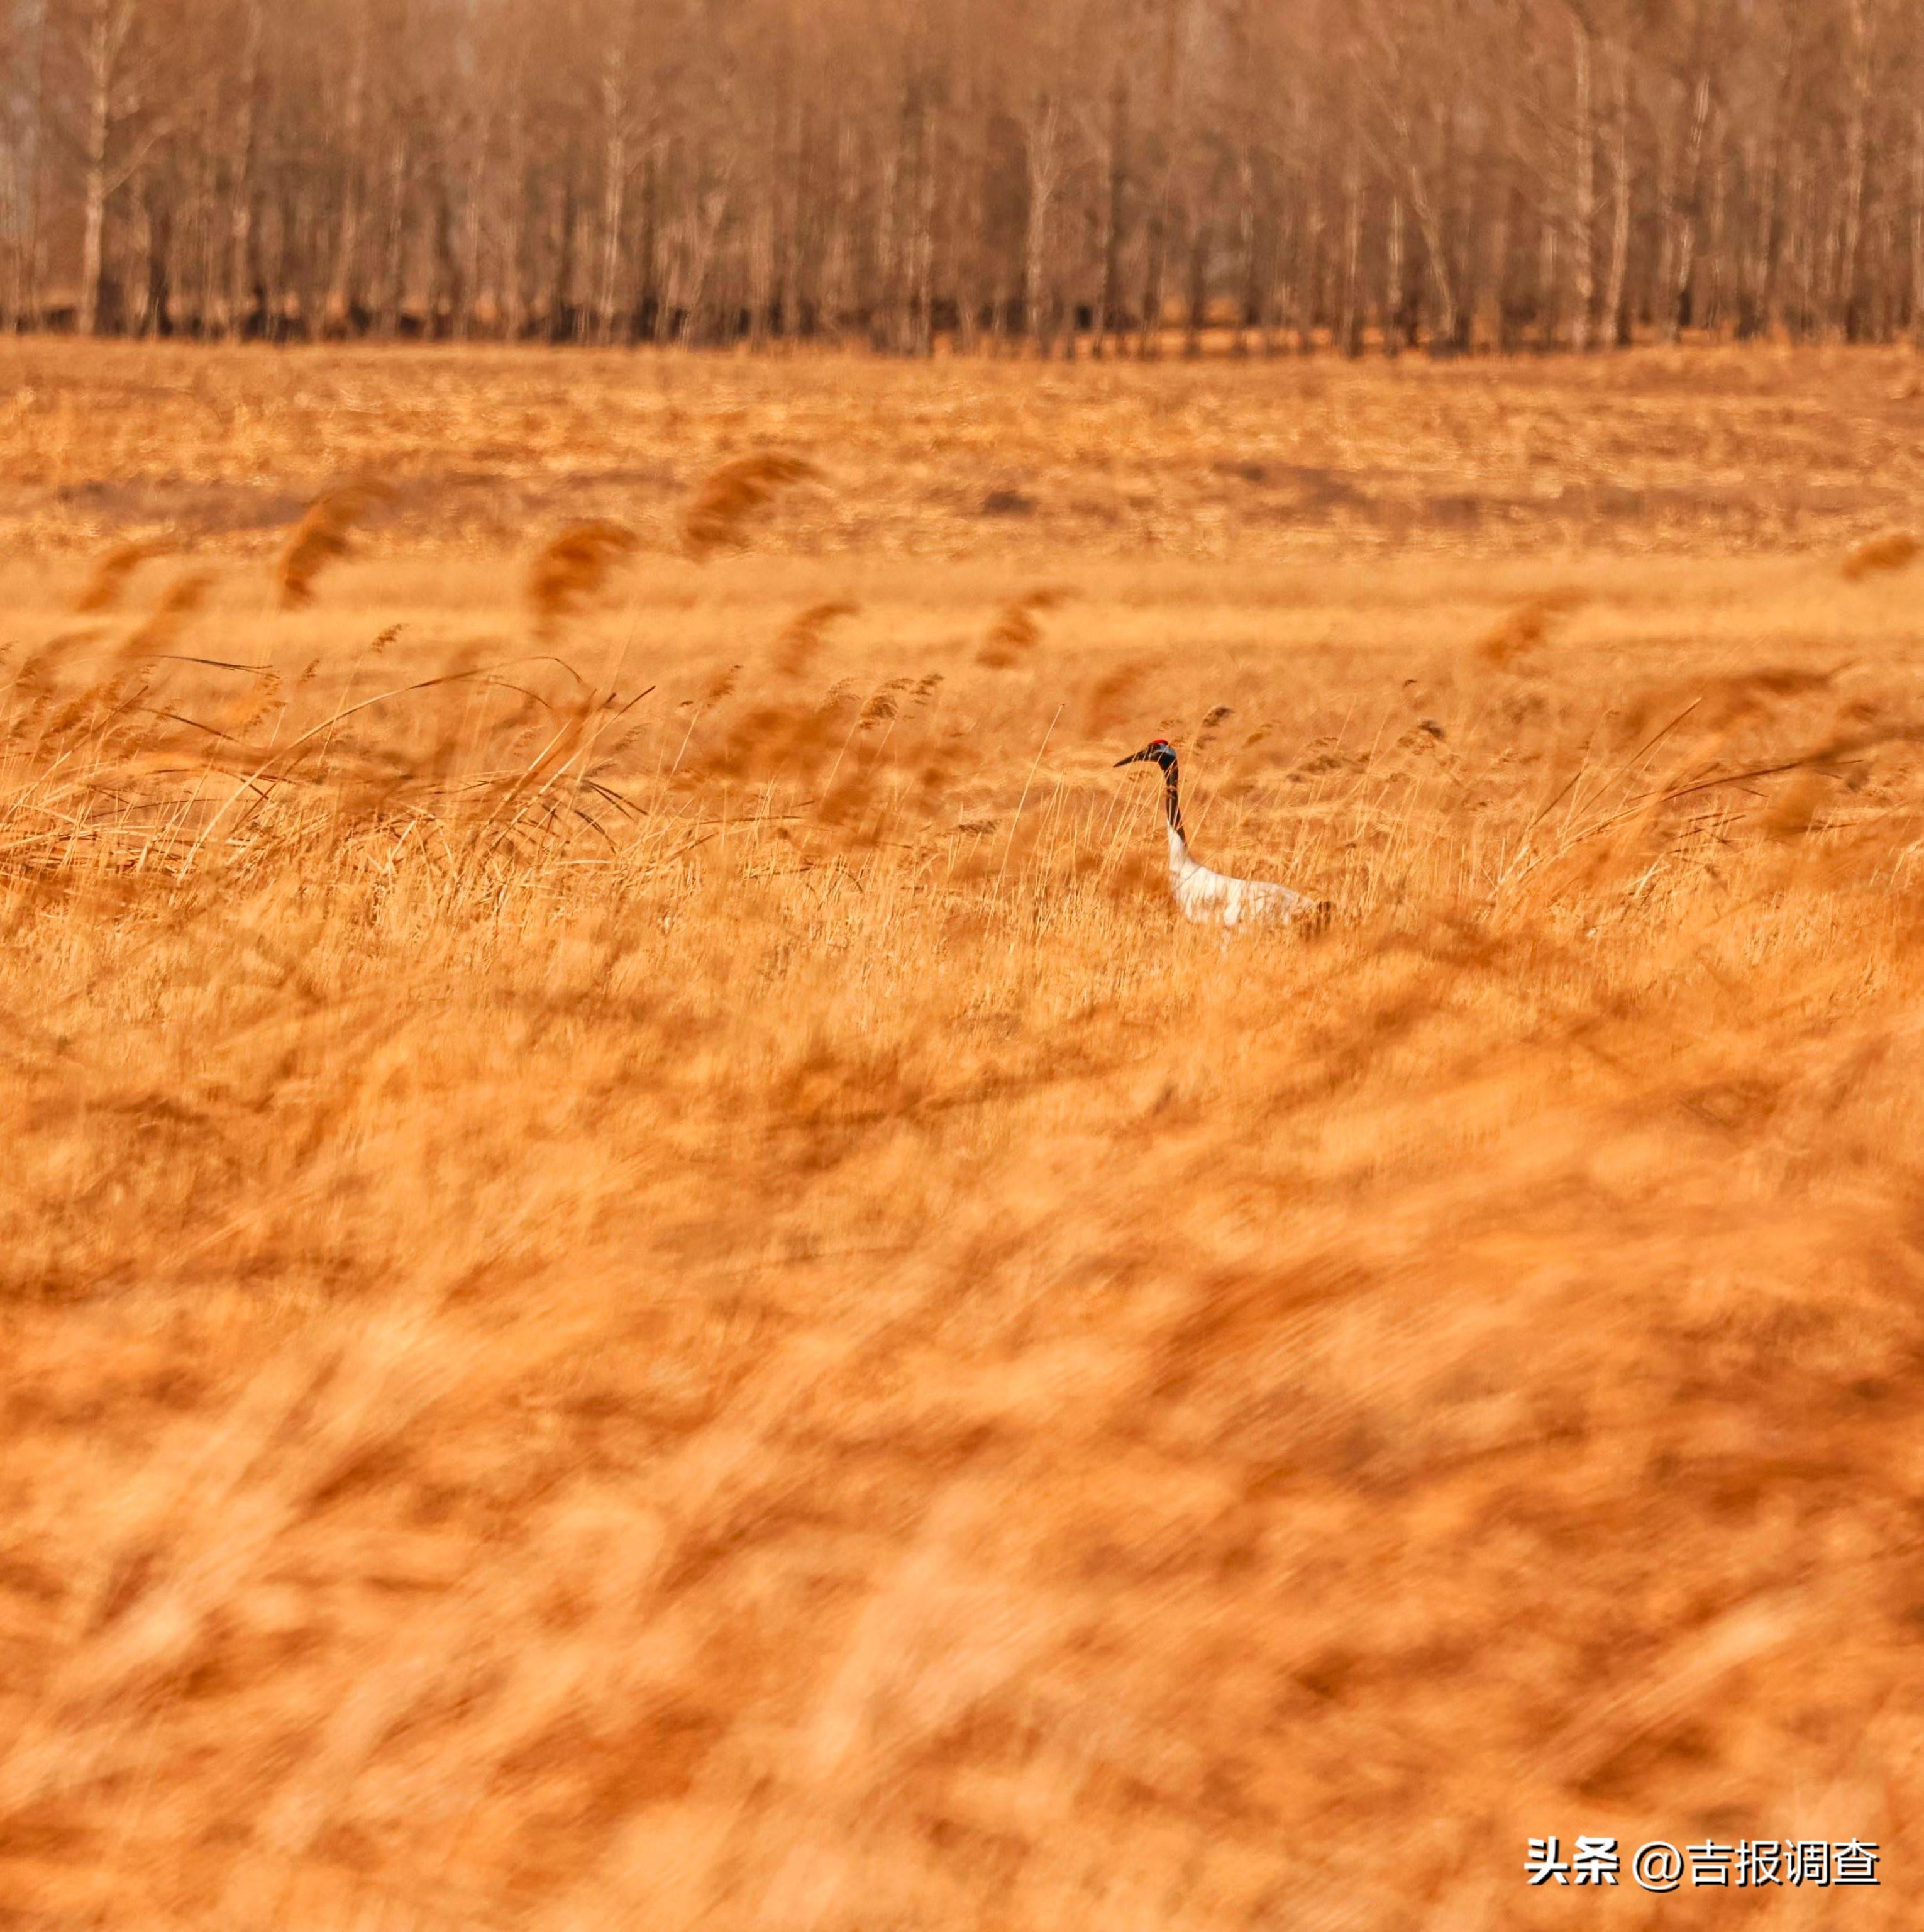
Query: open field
[{"x": 644, "y": 1284}]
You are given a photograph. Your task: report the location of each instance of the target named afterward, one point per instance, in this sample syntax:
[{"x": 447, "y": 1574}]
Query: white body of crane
[
  {"x": 1214, "y": 898},
  {"x": 1211, "y": 898}
]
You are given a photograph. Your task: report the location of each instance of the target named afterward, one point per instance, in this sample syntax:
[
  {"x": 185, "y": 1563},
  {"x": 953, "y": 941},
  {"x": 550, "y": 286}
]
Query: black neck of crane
[{"x": 1172, "y": 805}]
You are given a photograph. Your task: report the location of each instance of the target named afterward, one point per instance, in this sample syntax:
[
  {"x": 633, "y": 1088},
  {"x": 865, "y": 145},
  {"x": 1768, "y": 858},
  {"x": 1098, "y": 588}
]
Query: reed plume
[
  {"x": 573, "y": 567},
  {"x": 161, "y": 629},
  {"x": 323, "y": 536},
  {"x": 1015, "y": 632},
  {"x": 1891, "y": 551},
  {"x": 804, "y": 634},
  {"x": 718, "y": 516},
  {"x": 1114, "y": 698},
  {"x": 103, "y": 588},
  {"x": 1528, "y": 627}
]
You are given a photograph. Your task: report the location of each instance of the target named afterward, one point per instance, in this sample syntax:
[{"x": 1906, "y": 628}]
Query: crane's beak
[{"x": 1134, "y": 758}]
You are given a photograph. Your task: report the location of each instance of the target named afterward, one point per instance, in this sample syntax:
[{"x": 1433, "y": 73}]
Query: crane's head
[{"x": 1157, "y": 751}]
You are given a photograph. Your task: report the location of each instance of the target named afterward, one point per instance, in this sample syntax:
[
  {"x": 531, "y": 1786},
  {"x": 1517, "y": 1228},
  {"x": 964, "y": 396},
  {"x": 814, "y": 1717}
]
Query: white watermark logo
[{"x": 1660, "y": 1866}]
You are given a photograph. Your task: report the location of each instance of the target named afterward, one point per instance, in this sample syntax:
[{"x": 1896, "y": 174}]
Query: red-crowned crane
[{"x": 1211, "y": 898}]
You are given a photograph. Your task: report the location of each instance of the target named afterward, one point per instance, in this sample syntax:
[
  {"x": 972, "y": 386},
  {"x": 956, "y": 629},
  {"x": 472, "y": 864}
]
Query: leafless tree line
[{"x": 1065, "y": 176}]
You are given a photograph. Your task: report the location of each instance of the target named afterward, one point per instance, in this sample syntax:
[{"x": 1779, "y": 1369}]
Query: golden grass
[{"x": 647, "y": 1284}]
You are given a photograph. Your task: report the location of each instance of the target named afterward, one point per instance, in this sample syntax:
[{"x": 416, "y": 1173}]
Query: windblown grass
[{"x": 647, "y": 1284}]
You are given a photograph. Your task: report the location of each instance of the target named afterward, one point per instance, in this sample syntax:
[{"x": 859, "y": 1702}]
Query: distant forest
[{"x": 1062, "y": 176}]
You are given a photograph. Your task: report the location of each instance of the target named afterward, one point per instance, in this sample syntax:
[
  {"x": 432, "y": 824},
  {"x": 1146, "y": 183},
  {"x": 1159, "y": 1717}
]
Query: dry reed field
[{"x": 647, "y": 1283}]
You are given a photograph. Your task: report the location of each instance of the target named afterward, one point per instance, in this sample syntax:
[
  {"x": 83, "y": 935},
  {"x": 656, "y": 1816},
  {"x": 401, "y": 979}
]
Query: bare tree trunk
[
  {"x": 884, "y": 294},
  {"x": 1684, "y": 217},
  {"x": 922, "y": 236},
  {"x": 1802, "y": 250},
  {"x": 710, "y": 212},
  {"x": 240, "y": 188},
  {"x": 468, "y": 293},
  {"x": 209, "y": 264},
  {"x": 1149, "y": 338},
  {"x": 156, "y": 297},
  {"x": 1195, "y": 307},
  {"x": 1917, "y": 226},
  {"x": 1848, "y": 318},
  {"x": 1712, "y": 317},
  {"x": 761, "y": 272},
  {"x": 837, "y": 271},
  {"x": 562, "y": 320},
  {"x": 1502, "y": 240},
  {"x": 1583, "y": 196},
  {"x": 1350, "y": 327},
  {"x": 344, "y": 292},
  {"x": 108, "y": 24},
  {"x": 1250, "y": 310},
  {"x": 15, "y": 216},
  {"x": 1392, "y": 280},
  {"x": 972, "y": 273},
  {"x": 615, "y": 135},
  {"x": 1547, "y": 285},
  {"x": 1435, "y": 255},
  {"x": 394, "y": 257},
  {"x": 1109, "y": 303},
  {"x": 1044, "y": 170},
  {"x": 1465, "y": 233},
  {"x": 1304, "y": 289},
  {"x": 1149, "y": 341},
  {"x": 32, "y": 296},
  {"x": 514, "y": 231},
  {"x": 1768, "y": 245},
  {"x": 1616, "y": 318}
]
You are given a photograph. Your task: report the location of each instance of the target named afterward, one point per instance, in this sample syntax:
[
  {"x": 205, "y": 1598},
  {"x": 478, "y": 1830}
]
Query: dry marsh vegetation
[{"x": 645, "y": 1283}]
